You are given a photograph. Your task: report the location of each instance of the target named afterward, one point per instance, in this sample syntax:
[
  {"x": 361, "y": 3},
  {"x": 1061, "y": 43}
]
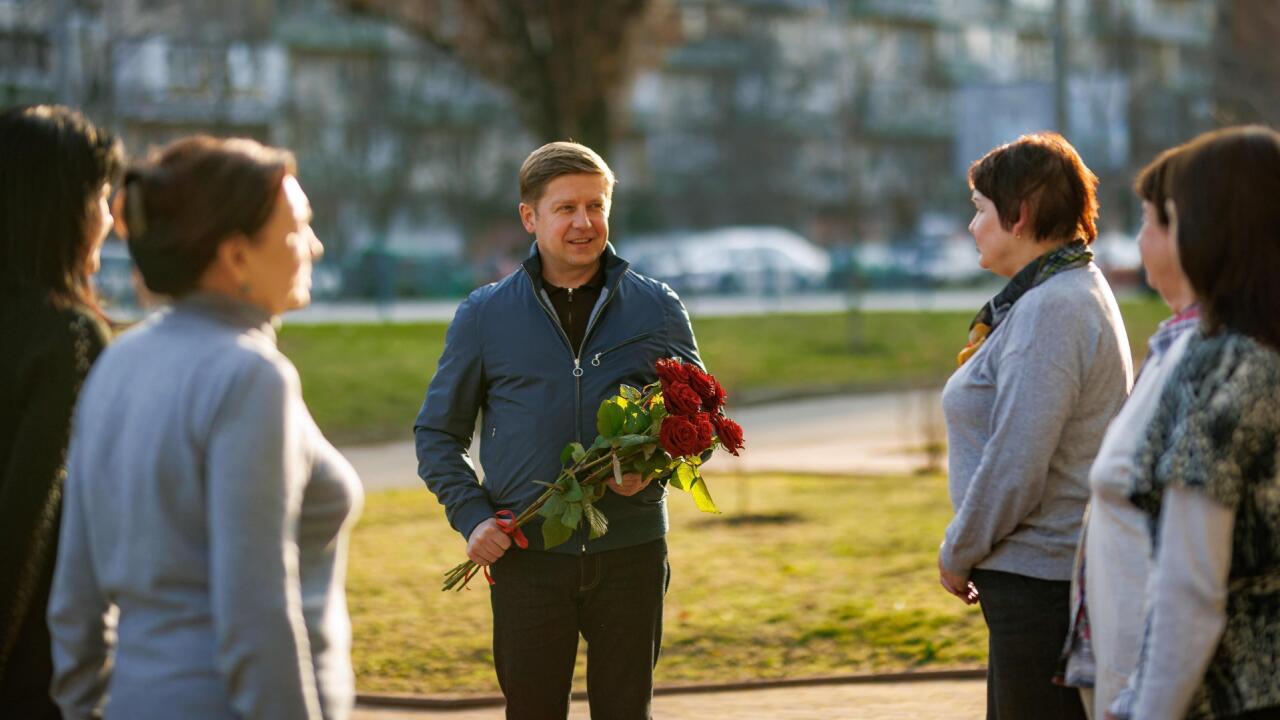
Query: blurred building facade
[
  {"x": 857, "y": 119},
  {"x": 845, "y": 120}
]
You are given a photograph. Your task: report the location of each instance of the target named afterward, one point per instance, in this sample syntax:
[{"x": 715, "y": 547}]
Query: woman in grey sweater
[
  {"x": 202, "y": 559},
  {"x": 1046, "y": 368}
]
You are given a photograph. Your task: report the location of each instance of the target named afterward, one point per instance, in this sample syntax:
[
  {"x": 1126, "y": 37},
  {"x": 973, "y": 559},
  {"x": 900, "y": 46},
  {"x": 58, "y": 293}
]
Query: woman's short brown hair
[
  {"x": 180, "y": 205},
  {"x": 1226, "y": 192},
  {"x": 555, "y": 159},
  {"x": 1045, "y": 172}
]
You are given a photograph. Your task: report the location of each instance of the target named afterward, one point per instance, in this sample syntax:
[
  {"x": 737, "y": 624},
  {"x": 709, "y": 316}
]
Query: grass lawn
[
  {"x": 365, "y": 383},
  {"x": 842, "y": 578}
]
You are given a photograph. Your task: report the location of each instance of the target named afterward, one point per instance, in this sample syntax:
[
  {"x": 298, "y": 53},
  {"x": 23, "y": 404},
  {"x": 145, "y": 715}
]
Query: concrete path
[
  {"x": 928, "y": 700},
  {"x": 878, "y": 433}
]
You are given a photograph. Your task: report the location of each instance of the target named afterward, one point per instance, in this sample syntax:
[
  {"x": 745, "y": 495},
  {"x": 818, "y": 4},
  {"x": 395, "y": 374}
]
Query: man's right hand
[{"x": 487, "y": 543}]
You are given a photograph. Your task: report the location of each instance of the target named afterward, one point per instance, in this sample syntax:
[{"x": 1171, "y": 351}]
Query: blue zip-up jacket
[{"x": 507, "y": 358}]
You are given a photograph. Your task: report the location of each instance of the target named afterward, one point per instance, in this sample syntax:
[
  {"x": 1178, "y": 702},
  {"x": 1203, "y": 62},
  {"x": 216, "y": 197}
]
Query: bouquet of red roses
[{"x": 662, "y": 429}]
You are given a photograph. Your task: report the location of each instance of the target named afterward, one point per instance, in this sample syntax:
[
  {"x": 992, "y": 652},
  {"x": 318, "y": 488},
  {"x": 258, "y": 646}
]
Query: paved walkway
[
  {"x": 927, "y": 700},
  {"x": 878, "y": 433}
]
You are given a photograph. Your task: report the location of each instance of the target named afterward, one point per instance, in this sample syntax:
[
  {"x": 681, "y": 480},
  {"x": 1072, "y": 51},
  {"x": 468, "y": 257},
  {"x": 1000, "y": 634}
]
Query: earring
[{"x": 244, "y": 289}]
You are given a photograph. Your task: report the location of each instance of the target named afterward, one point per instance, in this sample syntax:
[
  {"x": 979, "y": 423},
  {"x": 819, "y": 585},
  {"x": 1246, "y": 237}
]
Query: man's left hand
[{"x": 632, "y": 483}]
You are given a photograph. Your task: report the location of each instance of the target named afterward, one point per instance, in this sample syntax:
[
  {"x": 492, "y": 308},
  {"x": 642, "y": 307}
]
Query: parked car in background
[
  {"x": 731, "y": 260},
  {"x": 1117, "y": 255},
  {"x": 919, "y": 263},
  {"x": 386, "y": 273}
]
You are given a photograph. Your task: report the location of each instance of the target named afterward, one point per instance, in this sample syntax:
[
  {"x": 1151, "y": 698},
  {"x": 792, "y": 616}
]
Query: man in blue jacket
[{"x": 535, "y": 354}]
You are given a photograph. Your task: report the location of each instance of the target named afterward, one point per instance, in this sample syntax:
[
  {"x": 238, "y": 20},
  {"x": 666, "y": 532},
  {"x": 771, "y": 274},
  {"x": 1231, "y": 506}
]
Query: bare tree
[
  {"x": 1246, "y": 72},
  {"x": 565, "y": 62}
]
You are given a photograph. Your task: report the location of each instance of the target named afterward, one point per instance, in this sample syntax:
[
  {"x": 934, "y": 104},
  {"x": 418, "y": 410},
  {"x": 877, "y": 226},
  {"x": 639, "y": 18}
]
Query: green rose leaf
[
  {"x": 636, "y": 420},
  {"x": 657, "y": 412},
  {"x": 553, "y": 508},
  {"x": 573, "y": 451},
  {"x": 595, "y": 519},
  {"x": 626, "y": 441},
  {"x": 658, "y": 466},
  {"x": 610, "y": 418},
  {"x": 554, "y": 532},
  {"x": 601, "y": 443},
  {"x": 702, "y": 497},
  {"x": 572, "y": 516},
  {"x": 629, "y": 393},
  {"x": 684, "y": 477},
  {"x": 573, "y": 491}
]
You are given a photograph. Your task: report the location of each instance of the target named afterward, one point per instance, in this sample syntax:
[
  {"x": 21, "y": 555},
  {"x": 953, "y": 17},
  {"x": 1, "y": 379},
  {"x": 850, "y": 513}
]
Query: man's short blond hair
[{"x": 555, "y": 159}]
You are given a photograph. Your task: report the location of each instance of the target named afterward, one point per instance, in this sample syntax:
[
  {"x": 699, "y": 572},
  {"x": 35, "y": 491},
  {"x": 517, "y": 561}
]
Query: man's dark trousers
[{"x": 542, "y": 601}]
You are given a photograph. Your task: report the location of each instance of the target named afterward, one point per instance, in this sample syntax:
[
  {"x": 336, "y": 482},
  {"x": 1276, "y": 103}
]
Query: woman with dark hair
[
  {"x": 1209, "y": 471},
  {"x": 1046, "y": 368},
  {"x": 1114, "y": 557},
  {"x": 203, "y": 507},
  {"x": 55, "y": 178}
]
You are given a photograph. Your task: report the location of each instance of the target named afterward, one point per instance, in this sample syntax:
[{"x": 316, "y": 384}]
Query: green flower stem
[{"x": 462, "y": 573}]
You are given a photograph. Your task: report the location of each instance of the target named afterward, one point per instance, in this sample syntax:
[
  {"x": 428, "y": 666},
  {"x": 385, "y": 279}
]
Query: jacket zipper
[
  {"x": 577, "y": 364},
  {"x": 595, "y": 361}
]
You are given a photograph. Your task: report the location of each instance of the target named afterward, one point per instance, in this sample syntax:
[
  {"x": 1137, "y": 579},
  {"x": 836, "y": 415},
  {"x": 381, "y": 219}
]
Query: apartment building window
[
  {"x": 191, "y": 69},
  {"x": 24, "y": 51}
]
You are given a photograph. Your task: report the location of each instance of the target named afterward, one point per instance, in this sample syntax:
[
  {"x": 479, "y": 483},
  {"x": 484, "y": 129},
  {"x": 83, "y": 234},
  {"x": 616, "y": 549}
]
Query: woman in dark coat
[{"x": 54, "y": 215}]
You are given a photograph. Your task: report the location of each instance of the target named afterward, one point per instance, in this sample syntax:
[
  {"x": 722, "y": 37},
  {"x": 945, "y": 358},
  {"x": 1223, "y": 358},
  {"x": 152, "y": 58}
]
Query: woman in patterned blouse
[
  {"x": 54, "y": 182},
  {"x": 1207, "y": 471}
]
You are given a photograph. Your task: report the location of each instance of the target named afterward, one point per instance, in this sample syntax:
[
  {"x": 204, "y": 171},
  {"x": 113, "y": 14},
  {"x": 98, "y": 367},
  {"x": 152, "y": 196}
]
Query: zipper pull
[
  {"x": 570, "y": 295},
  {"x": 595, "y": 361},
  {"x": 577, "y": 368}
]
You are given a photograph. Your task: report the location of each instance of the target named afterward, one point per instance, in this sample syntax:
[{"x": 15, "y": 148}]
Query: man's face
[{"x": 570, "y": 223}]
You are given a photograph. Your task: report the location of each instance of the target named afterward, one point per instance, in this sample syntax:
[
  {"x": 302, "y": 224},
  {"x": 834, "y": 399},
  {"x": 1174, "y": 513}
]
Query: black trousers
[
  {"x": 543, "y": 601},
  {"x": 1027, "y": 622}
]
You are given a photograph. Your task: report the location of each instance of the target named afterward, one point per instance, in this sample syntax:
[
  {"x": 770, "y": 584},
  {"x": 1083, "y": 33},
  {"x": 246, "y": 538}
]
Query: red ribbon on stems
[{"x": 507, "y": 524}]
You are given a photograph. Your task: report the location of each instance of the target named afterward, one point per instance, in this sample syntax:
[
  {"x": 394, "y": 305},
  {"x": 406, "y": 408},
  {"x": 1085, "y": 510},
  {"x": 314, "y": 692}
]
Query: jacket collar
[{"x": 614, "y": 267}]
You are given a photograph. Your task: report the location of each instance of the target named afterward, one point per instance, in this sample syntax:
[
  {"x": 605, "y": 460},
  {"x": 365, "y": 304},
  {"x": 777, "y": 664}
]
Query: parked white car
[{"x": 731, "y": 260}]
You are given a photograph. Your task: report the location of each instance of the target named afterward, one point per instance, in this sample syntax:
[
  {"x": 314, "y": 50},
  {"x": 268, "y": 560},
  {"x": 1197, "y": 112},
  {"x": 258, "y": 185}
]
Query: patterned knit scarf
[{"x": 1072, "y": 255}]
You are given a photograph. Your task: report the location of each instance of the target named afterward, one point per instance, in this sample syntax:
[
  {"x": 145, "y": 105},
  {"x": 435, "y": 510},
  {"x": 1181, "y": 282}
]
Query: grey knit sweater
[
  {"x": 204, "y": 507},
  {"x": 1025, "y": 417}
]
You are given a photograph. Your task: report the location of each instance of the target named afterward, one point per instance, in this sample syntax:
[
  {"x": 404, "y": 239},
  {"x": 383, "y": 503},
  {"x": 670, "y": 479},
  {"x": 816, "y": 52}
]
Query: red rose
[
  {"x": 716, "y": 401},
  {"x": 680, "y": 399},
  {"x": 679, "y": 437},
  {"x": 671, "y": 370},
  {"x": 705, "y": 431},
  {"x": 729, "y": 432},
  {"x": 701, "y": 382}
]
